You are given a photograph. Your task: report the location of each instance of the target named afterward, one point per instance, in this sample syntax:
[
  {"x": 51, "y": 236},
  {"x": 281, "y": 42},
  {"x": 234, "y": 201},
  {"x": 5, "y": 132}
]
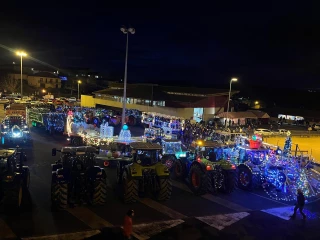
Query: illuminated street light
[
  {"x": 125, "y": 31},
  {"x": 79, "y": 82},
  {"x": 232, "y": 80},
  {"x": 43, "y": 90},
  {"x": 21, "y": 54}
]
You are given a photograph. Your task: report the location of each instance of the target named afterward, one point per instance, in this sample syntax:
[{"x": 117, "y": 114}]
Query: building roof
[
  {"x": 44, "y": 74},
  {"x": 260, "y": 114},
  {"x": 233, "y": 115},
  {"x": 162, "y": 93}
]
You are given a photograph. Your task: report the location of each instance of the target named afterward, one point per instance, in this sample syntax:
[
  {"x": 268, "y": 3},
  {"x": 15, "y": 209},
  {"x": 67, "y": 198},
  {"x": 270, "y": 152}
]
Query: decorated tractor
[
  {"x": 279, "y": 173},
  {"x": 206, "y": 169},
  {"x": 15, "y": 130},
  {"x": 14, "y": 178},
  {"x": 76, "y": 179},
  {"x": 140, "y": 172},
  {"x": 155, "y": 135},
  {"x": 172, "y": 151}
]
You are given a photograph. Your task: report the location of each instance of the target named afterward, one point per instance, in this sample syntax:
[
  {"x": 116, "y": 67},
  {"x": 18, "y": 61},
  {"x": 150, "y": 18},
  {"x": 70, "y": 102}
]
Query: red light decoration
[
  {"x": 209, "y": 168},
  {"x": 198, "y": 159}
]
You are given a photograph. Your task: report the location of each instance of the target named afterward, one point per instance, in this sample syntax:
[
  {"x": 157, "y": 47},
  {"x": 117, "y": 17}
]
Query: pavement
[{"x": 240, "y": 215}]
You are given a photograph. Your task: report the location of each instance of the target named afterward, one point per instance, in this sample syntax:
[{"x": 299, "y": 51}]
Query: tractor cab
[
  {"x": 146, "y": 154},
  {"x": 212, "y": 151},
  {"x": 173, "y": 147}
]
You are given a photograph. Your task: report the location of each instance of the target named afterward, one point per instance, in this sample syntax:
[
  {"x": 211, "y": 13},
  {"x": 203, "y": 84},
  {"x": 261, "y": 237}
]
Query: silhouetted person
[
  {"x": 127, "y": 224},
  {"x": 300, "y": 204}
]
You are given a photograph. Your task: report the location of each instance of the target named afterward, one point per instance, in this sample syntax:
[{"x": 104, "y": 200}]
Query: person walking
[
  {"x": 300, "y": 204},
  {"x": 127, "y": 224}
]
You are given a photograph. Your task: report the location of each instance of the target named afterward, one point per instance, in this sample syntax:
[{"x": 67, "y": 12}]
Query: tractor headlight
[
  {"x": 16, "y": 135},
  {"x": 183, "y": 155}
]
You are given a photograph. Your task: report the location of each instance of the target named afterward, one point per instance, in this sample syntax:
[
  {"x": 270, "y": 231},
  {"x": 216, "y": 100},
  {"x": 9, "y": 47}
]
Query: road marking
[
  {"x": 147, "y": 230},
  {"x": 286, "y": 212},
  {"x": 226, "y": 203},
  {"x": 67, "y": 236},
  {"x": 223, "y": 220},
  {"x": 93, "y": 220},
  {"x": 162, "y": 208},
  {"x": 215, "y": 199},
  {"x": 5, "y": 231},
  {"x": 89, "y": 218}
]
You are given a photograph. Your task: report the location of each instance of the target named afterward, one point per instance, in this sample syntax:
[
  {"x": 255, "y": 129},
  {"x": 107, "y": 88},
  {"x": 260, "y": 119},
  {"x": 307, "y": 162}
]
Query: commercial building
[{"x": 182, "y": 102}]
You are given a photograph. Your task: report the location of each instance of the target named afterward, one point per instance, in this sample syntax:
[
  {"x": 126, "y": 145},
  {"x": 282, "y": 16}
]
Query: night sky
[{"x": 267, "y": 44}]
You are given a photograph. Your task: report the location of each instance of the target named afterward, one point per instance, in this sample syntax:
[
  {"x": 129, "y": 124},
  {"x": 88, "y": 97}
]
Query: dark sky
[{"x": 265, "y": 44}]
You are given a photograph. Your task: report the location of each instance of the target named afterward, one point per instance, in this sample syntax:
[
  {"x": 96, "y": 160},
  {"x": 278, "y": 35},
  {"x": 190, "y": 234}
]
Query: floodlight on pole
[
  {"x": 21, "y": 54},
  {"x": 232, "y": 80},
  {"x": 124, "y": 100}
]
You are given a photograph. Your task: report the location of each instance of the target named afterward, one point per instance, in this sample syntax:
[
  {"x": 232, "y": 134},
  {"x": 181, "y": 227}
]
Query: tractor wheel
[
  {"x": 168, "y": 160},
  {"x": 229, "y": 181},
  {"x": 244, "y": 178},
  {"x": 178, "y": 170},
  {"x": 12, "y": 198},
  {"x": 59, "y": 194},
  {"x": 100, "y": 192},
  {"x": 198, "y": 180},
  {"x": 130, "y": 188},
  {"x": 119, "y": 172},
  {"x": 26, "y": 178},
  {"x": 165, "y": 189}
]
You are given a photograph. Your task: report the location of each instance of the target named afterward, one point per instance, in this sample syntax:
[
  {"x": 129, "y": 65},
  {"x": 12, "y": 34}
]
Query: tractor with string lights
[
  {"x": 278, "y": 172},
  {"x": 206, "y": 169},
  {"x": 76, "y": 179},
  {"x": 14, "y": 178},
  {"x": 140, "y": 172},
  {"x": 15, "y": 130}
]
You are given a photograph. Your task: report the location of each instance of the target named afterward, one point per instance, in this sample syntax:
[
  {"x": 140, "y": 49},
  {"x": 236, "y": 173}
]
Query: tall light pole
[
  {"x": 232, "y": 80},
  {"x": 79, "y": 82},
  {"x": 125, "y": 31},
  {"x": 21, "y": 54}
]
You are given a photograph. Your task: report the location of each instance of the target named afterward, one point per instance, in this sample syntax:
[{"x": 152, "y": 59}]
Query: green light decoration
[
  {"x": 254, "y": 137},
  {"x": 125, "y": 127}
]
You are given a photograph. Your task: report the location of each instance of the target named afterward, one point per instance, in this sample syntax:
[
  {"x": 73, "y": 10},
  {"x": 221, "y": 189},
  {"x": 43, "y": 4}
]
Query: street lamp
[
  {"x": 21, "y": 54},
  {"x": 43, "y": 90},
  {"x": 125, "y": 31},
  {"x": 232, "y": 80},
  {"x": 79, "y": 82}
]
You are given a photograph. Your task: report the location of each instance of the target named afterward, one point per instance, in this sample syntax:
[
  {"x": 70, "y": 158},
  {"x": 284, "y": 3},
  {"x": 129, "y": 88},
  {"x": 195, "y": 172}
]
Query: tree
[{"x": 10, "y": 85}]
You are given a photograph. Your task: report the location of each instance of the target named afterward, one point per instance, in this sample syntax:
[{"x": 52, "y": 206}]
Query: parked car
[
  {"x": 72, "y": 99},
  {"x": 263, "y": 132},
  {"x": 282, "y": 131}
]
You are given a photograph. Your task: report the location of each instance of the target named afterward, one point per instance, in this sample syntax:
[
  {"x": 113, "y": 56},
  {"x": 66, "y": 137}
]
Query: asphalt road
[{"x": 240, "y": 215}]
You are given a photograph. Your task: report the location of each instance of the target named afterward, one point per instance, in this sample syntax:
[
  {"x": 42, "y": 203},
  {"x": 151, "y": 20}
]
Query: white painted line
[
  {"x": 223, "y": 220},
  {"x": 215, "y": 199},
  {"x": 89, "y": 218},
  {"x": 226, "y": 203},
  {"x": 5, "y": 231},
  {"x": 147, "y": 230},
  {"x": 67, "y": 236},
  {"x": 283, "y": 212},
  {"x": 93, "y": 220},
  {"x": 162, "y": 208}
]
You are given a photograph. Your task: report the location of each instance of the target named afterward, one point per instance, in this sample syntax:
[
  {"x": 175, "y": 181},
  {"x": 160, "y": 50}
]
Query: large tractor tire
[
  {"x": 26, "y": 178},
  {"x": 12, "y": 196},
  {"x": 99, "y": 192},
  {"x": 59, "y": 194},
  {"x": 244, "y": 177},
  {"x": 130, "y": 188},
  {"x": 179, "y": 170},
  {"x": 229, "y": 181},
  {"x": 198, "y": 179},
  {"x": 169, "y": 160},
  {"x": 165, "y": 189}
]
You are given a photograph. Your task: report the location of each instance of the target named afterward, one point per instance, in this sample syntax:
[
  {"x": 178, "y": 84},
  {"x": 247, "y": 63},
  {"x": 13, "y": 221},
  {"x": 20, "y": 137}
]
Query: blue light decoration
[
  {"x": 125, "y": 127},
  {"x": 254, "y": 137}
]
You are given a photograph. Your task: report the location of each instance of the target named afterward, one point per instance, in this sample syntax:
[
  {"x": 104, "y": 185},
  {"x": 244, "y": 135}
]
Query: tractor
[
  {"x": 206, "y": 169},
  {"x": 14, "y": 178},
  {"x": 155, "y": 135},
  {"x": 76, "y": 179},
  {"x": 173, "y": 150},
  {"x": 141, "y": 172},
  {"x": 15, "y": 130}
]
